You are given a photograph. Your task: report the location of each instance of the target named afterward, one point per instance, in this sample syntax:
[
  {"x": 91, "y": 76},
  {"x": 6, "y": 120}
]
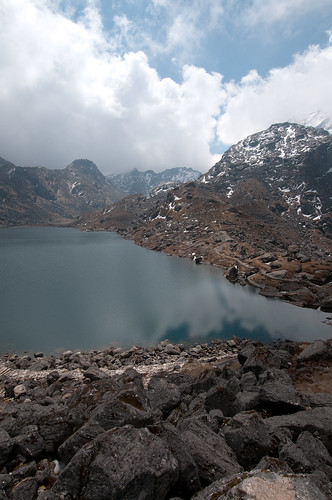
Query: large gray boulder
[
  {"x": 6, "y": 445},
  {"x": 264, "y": 358},
  {"x": 318, "y": 350},
  {"x": 212, "y": 455},
  {"x": 248, "y": 436},
  {"x": 125, "y": 463},
  {"x": 317, "y": 421},
  {"x": 188, "y": 482},
  {"x": 163, "y": 395}
]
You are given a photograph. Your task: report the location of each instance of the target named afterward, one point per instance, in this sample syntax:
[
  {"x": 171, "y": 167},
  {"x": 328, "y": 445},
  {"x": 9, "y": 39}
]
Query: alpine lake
[{"x": 66, "y": 289}]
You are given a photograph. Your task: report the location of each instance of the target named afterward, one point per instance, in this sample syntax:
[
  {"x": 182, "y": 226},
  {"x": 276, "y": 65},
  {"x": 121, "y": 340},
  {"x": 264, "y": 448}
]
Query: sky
[{"x": 156, "y": 84}]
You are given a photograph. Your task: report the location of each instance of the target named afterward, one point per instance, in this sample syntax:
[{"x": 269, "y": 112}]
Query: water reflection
[{"x": 61, "y": 288}]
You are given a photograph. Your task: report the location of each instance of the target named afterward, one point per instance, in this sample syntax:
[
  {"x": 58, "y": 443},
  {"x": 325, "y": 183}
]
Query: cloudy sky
[{"x": 156, "y": 83}]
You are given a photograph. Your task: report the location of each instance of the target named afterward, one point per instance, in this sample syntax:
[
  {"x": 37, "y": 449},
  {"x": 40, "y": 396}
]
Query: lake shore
[{"x": 172, "y": 421}]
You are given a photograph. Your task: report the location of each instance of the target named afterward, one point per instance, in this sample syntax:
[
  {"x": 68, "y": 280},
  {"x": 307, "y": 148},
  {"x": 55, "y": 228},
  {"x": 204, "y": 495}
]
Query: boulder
[
  {"x": 248, "y": 436},
  {"x": 163, "y": 395},
  {"x": 318, "y": 350},
  {"x": 264, "y": 358},
  {"x": 319, "y": 399},
  {"x": 94, "y": 373},
  {"x": 294, "y": 457},
  {"x": 78, "y": 439},
  {"x": 318, "y": 421},
  {"x": 279, "y": 398},
  {"x": 6, "y": 446},
  {"x": 25, "y": 489},
  {"x": 212, "y": 455},
  {"x": 188, "y": 482},
  {"x": 6, "y": 483},
  {"x": 257, "y": 485},
  {"x": 29, "y": 442},
  {"x": 246, "y": 352},
  {"x": 222, "y": 397},
  {"x": 315, "y": 452},
  {"x": 121, "y": 463}
]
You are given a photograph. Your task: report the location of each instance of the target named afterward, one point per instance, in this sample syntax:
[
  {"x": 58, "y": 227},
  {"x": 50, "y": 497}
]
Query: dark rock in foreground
[{"x": 232, "y": 419}]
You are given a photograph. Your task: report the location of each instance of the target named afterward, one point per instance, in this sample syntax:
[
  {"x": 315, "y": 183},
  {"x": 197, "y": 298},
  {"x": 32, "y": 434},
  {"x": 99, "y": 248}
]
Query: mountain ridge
[
  {"x": 135, "y": 181},
  {"x": 263, "y": 212},
  {"x": 37, "y": 195}
]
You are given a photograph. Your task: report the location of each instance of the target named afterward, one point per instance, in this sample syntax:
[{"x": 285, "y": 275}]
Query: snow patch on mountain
[{"x": 134, "y": 181}]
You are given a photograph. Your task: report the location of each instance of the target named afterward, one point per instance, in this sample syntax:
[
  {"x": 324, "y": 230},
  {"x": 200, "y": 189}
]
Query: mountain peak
[{"x": 135, "y": 181}]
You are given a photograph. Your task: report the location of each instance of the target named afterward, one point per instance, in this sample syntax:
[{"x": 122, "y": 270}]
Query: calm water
[{"x": 65, "y": 289}]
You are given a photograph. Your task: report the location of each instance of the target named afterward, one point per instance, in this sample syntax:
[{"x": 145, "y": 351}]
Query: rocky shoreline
[{"x": 231, "y": 419}]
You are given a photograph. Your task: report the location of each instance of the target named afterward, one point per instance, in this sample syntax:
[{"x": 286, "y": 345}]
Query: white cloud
[
  {"x": 286, "y": 93},
  {"x": 64, "y": 94},
  {"x": 268, "y": 12}
]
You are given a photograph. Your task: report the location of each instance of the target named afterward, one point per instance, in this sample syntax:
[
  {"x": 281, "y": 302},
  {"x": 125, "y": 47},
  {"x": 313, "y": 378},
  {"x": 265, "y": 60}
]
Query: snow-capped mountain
[
  {"x": 293, "y": 162},
  {"x": 318, "y": 119},
  {"x": 135, "y": 181}
]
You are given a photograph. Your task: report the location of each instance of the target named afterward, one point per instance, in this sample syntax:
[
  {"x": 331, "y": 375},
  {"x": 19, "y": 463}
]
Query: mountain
[
  {"x": 318, "y": 119},
  {"x": 36, "y": 195},
  {"x": 263, "y": 212},
  {"x": 145, "y": 182}
]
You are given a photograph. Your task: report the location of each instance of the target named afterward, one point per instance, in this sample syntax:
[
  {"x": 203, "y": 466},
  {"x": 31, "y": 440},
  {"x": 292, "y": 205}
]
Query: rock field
[{"x": 233, "y": 419}]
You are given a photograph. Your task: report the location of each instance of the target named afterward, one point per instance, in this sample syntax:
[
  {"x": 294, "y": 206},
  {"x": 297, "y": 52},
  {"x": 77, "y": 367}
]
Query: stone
[
  {"x": 318, "y": 399},
  {"x": 25, "y": 489},
  {"x": 78, "y": 439},
  {"x": 315, "y": 452},
  {"x": 6, "y": 482},
  {"x": 19, "y": 390},
  {"x": 295, "y": 458},
  {"x": 172, "y": 349},
  {"x": 246, "y": 352},
  {"x": 212, "y": 455},
  {"x": 188, "y": 482},
  {"x": 264, "y": 358},
  {"x": 249, "y": 439},
  {"x": 318, "y": 421},
  {"x": 29, "y": 442},
  {"x": 163, "y": 395},
  {"x": 318, "y": 350},
  {"x": 279, "y": 398},
  {"x": 121, "y": 463},
  {"x": 259, "y": 485},
  {"x": 222, "y": 397},
  {"x": 6, "y": 445},
  {"x": 23, "y": 471},
  {"x": 94, "y": 373}
]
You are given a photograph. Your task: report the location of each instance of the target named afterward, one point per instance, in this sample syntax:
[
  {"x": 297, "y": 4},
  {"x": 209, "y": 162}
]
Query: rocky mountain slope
[
  {"x": 36, "y": 195},
  {"x": 134, "y": 182},
  {"x": 263, "y": 212}
]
